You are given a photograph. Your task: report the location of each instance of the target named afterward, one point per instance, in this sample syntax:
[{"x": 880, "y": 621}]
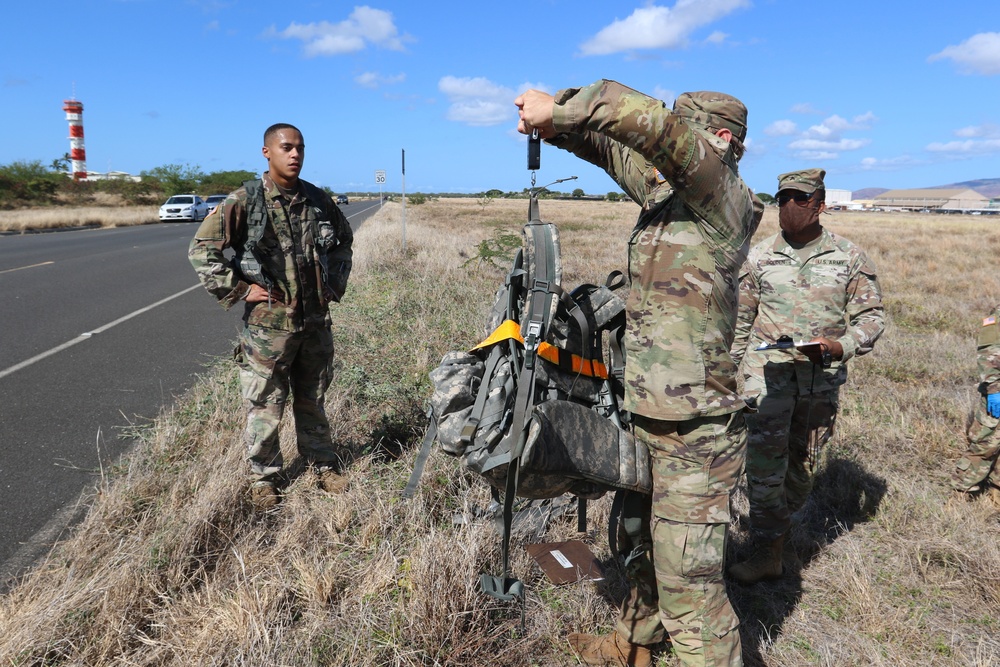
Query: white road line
[
  {"x": 26, "y": 267},
  {"x": 84, "y": 336},
  {"x": 361, "y": 211}
]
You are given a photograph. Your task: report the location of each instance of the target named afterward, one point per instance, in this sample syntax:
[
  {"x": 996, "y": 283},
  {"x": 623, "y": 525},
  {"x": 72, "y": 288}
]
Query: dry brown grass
[
  {"x": 171, "y": 567},
  {"x": 59, "y": 217}
]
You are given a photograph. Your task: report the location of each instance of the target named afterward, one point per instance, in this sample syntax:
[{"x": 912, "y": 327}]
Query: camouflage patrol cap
[
  {"x": 806, "y": 180},
  {"x": 714, "y": 110}
]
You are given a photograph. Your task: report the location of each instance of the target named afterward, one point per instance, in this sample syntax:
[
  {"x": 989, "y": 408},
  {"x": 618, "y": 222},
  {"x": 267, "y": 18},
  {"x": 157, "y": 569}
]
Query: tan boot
[
  {"x": 330, "y": 480},
  {"x": 765, "y": 563},
  {"x": 609, "y": 650},
  {"x": 263, "y": 495}
]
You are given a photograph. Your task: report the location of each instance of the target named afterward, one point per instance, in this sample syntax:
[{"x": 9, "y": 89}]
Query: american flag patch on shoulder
[{"x": 987, "y": 321}]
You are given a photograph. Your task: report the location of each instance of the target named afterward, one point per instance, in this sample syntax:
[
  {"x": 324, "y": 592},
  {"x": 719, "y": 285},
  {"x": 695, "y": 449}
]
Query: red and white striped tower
[{"x": 74, "y": 114}]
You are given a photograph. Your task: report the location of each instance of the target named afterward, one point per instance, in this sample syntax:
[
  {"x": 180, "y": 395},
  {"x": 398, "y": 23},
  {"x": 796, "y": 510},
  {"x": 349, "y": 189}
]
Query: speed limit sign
[{"x": 380, "y": 176}]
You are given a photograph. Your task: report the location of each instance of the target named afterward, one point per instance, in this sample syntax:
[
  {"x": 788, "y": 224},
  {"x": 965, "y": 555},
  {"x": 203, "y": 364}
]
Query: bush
[
  {"x": 416, "y": 199},
  {"x": 135, "y": 193},
  {"x": 29, "y": 182},
  {"x": 224, "y": 182},
  {"x": 174, "y": 179}
]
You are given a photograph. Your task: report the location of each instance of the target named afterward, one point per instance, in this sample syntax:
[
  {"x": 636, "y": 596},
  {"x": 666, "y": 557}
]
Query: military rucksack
[{"x": 533, "y": 408}]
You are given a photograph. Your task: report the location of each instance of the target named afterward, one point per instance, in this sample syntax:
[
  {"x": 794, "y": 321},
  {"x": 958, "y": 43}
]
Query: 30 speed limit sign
[{"x": 380, "y": 176}]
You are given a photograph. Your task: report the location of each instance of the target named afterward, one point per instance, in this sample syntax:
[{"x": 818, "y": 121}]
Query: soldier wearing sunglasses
[{"x": 814, "y": 286}]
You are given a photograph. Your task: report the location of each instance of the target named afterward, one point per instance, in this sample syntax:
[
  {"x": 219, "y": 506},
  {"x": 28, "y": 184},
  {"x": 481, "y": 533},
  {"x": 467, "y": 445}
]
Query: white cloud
[
  {"x": 975, "y": 140},
  {"x": 835, "y": 145},
  {"x": 817, "y": 155},
  {"x": 986, "y": 131},
  {"x": 717, "y": 37},
  {"x": 480, "y": 102},
  {"x": 864, "y": 120},
  {"x": 969, "y": 147},
  {"x": 887, "y": 164},
  {"x": 655, "y": 27},
  {"x": 980, "y": 54},
  {"x": 825, "y": 140},
  {"x": 375, "y": 80},
  {"x": 365, "y": 26},
  {"x": 834, "y": 126},
  {"x": 781, "y": 128},
  {"x": 805, "y": 108}
]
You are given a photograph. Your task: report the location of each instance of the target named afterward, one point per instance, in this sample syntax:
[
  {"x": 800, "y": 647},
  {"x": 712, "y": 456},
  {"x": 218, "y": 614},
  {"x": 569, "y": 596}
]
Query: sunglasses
[{"x": 798, "y": 197}]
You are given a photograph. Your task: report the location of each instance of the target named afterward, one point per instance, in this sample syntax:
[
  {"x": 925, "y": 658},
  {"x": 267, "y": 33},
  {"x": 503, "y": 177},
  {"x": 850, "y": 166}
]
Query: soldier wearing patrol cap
[
  {"x": 810, "y": 285},
  {"x": 685, "y": 254}
]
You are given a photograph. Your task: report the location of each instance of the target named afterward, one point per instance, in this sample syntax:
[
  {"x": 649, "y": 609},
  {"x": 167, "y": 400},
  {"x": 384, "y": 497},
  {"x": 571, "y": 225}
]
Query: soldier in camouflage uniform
[
  {"x": 287, "y": 279},
  {"x": 976, "y": 473},
  {"x": 811, "y": 285},
  {"x": 684, "y": 256}
]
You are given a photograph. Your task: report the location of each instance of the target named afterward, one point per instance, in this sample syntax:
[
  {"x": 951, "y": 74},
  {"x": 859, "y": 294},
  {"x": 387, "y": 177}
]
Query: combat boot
[
  {"x": 330, "y": 480},
  {"x": 609, "y": 650},
  {"x": 765, "y": 563},
  {"x": 263, "y": 495}
]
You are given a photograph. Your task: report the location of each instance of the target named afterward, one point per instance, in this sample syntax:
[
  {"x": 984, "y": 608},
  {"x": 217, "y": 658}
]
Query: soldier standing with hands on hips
[
  {"x": 293, "y": 259},
  {"x": 810, "y": 285},
  {"x": 685, "y": 253}
]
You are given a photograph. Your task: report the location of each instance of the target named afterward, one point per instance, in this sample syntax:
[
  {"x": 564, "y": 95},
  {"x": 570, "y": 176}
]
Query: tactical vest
[{"x": 248, "y": 257}]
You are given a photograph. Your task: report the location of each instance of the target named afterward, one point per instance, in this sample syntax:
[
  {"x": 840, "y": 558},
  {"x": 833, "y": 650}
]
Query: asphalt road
[{"x": 101, "y": 330}]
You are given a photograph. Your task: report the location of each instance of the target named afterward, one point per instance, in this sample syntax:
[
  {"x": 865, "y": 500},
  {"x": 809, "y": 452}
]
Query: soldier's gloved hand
[{"x": 993, "y": 405}]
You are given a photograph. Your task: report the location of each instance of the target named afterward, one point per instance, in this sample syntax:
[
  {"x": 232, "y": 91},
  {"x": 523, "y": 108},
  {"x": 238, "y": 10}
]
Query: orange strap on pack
[{"x": 509, "y": 329}]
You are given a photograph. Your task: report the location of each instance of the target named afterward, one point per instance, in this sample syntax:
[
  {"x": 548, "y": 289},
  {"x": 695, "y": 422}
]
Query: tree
[
  {"x": 578, "y": 193},
  {"x": 61, "y": 165},
  {"x": 28, "y": 181},
  {"x": 225, "y": 181},
  {"x": 764, "y": 197},
  {"x": 613, "y": 196},
  {"x": 485, "y": 199},
  {"x": 175, "y": 179}
]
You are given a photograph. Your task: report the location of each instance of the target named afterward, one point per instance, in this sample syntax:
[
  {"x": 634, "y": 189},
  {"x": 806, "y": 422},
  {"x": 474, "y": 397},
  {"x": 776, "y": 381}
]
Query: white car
[
  {"x": 184, "y": 207},
  {"x": 214, "y": 200}
]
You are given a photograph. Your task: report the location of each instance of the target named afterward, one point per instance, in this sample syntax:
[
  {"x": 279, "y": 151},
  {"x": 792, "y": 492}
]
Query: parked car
[
  {"x": 184, "y": 207},
  {"x": 214, "y": 200},
  {"x": 342, "y": 199}
]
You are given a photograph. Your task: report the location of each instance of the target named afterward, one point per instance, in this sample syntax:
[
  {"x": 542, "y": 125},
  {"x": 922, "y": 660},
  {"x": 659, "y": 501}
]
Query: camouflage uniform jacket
[
  {"x": 988, "y": 354},
  {"x": 685, "y": 251},
  {"x": 834, "y": 293},
  {"x": 292, "y": 246}
]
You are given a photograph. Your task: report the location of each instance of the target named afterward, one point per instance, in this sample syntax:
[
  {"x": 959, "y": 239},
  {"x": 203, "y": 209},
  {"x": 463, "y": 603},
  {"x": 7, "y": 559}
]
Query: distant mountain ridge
[{"x": 988, "y": 187}]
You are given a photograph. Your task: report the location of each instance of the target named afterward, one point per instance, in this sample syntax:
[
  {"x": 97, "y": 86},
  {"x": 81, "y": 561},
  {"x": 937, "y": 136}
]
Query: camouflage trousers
[
  {"x": 676, "y": 572},
  {"x": 786, "y": 438},
  {"x": 272, "y": 364},
  {"x": 979, "y": 463}
]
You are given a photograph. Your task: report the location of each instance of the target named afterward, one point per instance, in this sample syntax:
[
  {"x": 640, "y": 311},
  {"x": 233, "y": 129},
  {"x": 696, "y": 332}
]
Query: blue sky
[{"x": 881, "y": 94}]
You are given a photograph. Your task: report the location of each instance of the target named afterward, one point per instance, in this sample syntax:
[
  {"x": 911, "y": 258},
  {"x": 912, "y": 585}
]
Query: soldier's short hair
[{"x": 277, "y": 127}]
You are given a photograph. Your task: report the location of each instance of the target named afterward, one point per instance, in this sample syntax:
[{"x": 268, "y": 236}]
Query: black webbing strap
[
  {"x": 425, "y": 450},
  {"x": 469, "y": 429},
  {"x": 540, "y": 294},
  {"x": 627, "y": 510}
]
